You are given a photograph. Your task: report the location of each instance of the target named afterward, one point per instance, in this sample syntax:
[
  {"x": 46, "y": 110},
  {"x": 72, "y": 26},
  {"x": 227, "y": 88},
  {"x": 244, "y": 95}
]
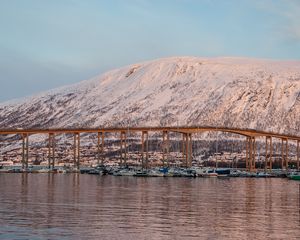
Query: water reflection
[{"x": 73, "y": 206}]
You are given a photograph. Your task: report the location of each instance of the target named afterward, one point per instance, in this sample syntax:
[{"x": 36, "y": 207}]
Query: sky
[{"x": 47, "y": 44}]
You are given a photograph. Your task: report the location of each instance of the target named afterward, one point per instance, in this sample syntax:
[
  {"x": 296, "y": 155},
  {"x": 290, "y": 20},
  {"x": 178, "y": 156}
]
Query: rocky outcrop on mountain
[{"x": 231, "y": 92}]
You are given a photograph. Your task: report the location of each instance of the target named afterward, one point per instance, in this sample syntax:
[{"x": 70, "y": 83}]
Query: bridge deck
[{"x": 180, "y": 129}]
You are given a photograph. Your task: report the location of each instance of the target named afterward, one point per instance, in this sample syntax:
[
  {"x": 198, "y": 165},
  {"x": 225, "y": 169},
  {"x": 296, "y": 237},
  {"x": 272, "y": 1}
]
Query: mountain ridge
[{"x": 230, "y": 92}]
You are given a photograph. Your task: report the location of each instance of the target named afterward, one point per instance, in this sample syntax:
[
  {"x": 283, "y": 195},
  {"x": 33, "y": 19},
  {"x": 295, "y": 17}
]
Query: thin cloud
[
  {"x": 288, "y": 11},
  {"x": 293, "y": 15}
]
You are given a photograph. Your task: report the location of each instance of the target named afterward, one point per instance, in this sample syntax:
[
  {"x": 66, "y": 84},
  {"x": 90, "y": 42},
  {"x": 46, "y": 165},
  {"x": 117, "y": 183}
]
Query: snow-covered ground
[{"x": 232, "y": 92}]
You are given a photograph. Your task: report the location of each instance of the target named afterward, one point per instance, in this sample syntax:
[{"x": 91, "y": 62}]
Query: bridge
[{"x": 187, "y": 131}]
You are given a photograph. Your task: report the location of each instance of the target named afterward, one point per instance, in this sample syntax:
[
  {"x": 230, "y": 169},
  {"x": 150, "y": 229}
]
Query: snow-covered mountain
[{"x": 232, "y": 92}]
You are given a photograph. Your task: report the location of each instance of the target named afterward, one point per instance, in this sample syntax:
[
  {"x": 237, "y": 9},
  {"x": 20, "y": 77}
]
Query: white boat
[
  {"x": 155, "y": 173},
  {"x": 263, "y": 174},
  {"x": 43, "y": 170},
  {"x": 124, "y": 172},
  {"x": 141, "y": 173},
  {"x": 210, "y": 174},
  {"x": 96, "y": 172},
  {"x": 207, "y": 172}
]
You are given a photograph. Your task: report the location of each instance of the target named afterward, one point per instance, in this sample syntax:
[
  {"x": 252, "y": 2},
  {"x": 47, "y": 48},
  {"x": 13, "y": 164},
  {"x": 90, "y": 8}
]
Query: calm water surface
[{"x": 72, "y": 206}]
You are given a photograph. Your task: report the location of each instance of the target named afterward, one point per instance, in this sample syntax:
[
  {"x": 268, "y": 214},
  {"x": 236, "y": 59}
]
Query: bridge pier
[
  {"x": 166, "y": 148},
  {"x": 142, "y": 148},
  {"x": 298, "y": 155},
  {"x": 25, "y": 150},
  {"x": 163, "y": 147},
  {"x": 250, "y": 153},
  {"x": 254, "y": 154},
  {"x": 77, "y": 150},
  {"x": 123, "y": 148},
  {"x": 184, "y": 149},
  {"x": 51, "y": 151},
  {"x": 187, "y": 149},
  {"x": 190, "y": 150},
  {"x": 271, "y": 154},
  {"x": 268, "y": 153},
  {"x": 100, "y": 148},
  {"x": 145, "y": 164},
  {"x": 247, "y": 154},
  {"x": 284, "y": 154},
  {"x": 147, "y": 150}
]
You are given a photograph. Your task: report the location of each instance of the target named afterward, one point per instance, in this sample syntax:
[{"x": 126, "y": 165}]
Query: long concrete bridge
[{"x": 250, "y": 142}]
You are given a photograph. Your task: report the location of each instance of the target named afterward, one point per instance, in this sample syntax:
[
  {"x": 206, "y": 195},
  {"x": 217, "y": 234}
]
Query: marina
[{"x": 193, "y": 172}]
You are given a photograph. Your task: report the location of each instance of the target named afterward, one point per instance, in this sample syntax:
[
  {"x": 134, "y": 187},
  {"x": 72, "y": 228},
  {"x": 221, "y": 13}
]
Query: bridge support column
[
  {"x": 147, "y": 151},
  {"x": 123, "y": 149},
  {"x": 282, "y": 159},
  {"x": 271, "y": 154},
  {"x": 186, "y": 150},
  {"x": 298, "y": 155},
  {"x": 254, "y": 154},
  {"x": 100, "y": 148},
  {"x": 25, "y": 150},
  {"x": 252, "y": 151},
  {"x": 168, "y": 149},
  {"x": 51, "y": 151},
  {"x": 165, "y": 148},
  {"x": 145, "y": 162},
  {"x": 143, "y": 148},
  {"x": 268, "y": 154},
  {"x": 77, "y": 150},
  {"x": 183, "y": 149},
  {"x": 284, "y": 154},
  {"x": 247, "y": 154},
  {"x": 190, "y": 150}
]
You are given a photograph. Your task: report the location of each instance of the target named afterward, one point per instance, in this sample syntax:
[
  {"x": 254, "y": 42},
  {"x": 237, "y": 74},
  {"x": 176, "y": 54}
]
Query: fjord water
[{"x": 74, "y": 206}]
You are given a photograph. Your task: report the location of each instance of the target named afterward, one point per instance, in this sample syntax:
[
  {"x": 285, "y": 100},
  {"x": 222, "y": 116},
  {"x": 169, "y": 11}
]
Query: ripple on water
[{"x": 72, "y": 206}]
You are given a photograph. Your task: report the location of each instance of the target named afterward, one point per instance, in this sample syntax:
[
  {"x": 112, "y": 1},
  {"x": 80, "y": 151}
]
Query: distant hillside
[{"x": 232, "y": 92}]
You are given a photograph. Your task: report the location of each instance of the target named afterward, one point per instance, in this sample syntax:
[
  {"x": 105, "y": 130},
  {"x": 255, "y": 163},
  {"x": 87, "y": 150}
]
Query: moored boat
[
  {"x": 141, "y": 173},
  {"x": 126, "y": 172},
  {"x": 155, "y": 173},
  {"x": 294, "y": 176},
  {"x": 209, "y": 173},
  {"x": 96, "y": 172},
  {"x": 262, "y": 175}
]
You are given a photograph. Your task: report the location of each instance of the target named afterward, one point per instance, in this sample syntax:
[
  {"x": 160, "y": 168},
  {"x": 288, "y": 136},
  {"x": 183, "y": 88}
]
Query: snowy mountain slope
[{"x": 233, "y": 92}]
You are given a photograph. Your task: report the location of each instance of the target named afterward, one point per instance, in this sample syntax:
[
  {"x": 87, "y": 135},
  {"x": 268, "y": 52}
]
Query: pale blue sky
[{"x": 46, "y": 44}]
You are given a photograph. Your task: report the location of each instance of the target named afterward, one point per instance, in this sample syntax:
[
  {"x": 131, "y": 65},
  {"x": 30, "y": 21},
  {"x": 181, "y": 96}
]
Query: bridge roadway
[{"x": 186, "y": 131}]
